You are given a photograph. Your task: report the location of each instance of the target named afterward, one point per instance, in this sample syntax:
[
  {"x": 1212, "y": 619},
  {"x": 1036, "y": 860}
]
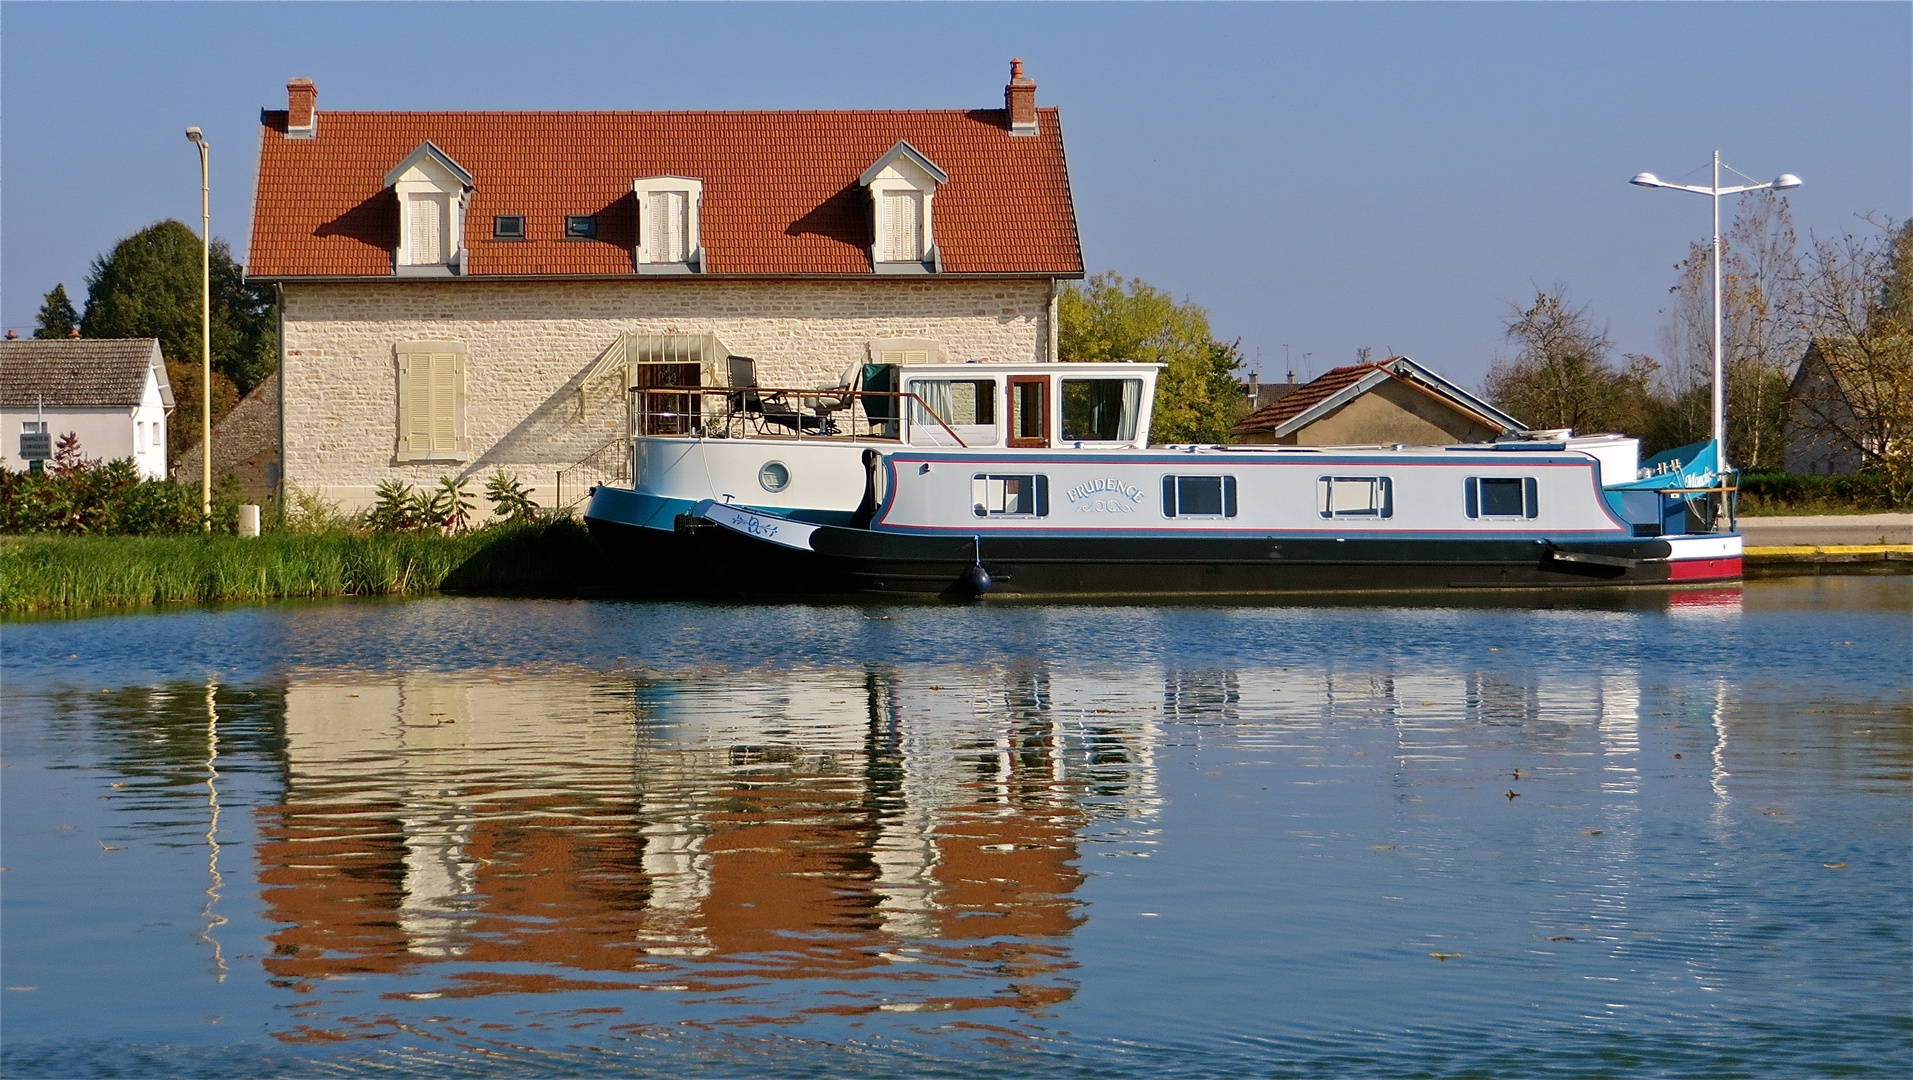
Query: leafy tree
[
  {"x": 149, "y": 286},
  {"x": 1108, "y": 319},
  {"x": 57, "y": 317},
  {"x": 1563, "y": 376},
  {"x": 182, "y": 426}
]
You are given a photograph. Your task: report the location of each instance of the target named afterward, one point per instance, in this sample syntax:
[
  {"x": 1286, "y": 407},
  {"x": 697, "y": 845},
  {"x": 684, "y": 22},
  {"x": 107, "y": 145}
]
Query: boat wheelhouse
[{"x": 804, "y": 453}]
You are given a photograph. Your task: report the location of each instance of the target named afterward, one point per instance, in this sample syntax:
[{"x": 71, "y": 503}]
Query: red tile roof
[
  {"x": 780, "y": 189},
  {"x": 1305, "y": 397}
]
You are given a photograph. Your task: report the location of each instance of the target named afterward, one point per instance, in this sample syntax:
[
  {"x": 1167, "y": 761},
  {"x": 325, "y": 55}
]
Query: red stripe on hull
[{"x": 1703, "y": 569}]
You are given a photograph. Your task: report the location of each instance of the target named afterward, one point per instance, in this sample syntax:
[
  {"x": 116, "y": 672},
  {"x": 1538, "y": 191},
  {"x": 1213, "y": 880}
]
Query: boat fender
[{"x": 977, "y": 580}]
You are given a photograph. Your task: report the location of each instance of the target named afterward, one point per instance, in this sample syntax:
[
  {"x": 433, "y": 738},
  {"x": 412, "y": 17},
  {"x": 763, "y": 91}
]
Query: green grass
[{"x": 62, "y": 573}]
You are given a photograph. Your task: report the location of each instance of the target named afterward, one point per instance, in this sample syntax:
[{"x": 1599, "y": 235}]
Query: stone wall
[
  {"x": 245, "y": 446},
  {"x": 530, "y": 344}
]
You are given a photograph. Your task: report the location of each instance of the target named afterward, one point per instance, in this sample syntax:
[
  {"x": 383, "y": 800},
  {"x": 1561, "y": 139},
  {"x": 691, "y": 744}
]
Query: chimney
[
  {"x": 72, "y": 331},
  {"x": 1255, "y": 380},
  {"x": 302, "y": 109},
  {"x": 1291, "y": 377},
  {"x": 1019, "y": 101}
]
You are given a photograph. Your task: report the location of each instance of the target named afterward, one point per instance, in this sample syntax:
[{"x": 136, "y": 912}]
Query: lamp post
[
  {"x": 205, "y": 334},
  {"x": 1780, "y": 183}
]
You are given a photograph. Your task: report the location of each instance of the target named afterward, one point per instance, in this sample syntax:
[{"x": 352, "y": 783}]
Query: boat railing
[
  {"x": 608, "y": 464},
  {"x": 834, "y": 415}
]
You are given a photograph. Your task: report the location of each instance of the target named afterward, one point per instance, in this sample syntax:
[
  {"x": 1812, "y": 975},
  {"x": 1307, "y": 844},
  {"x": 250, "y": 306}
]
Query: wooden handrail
[{"x": 838, "y": 392}]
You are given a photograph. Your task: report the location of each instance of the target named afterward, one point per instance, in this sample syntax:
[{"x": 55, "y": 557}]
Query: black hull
[{"x": 852, "y": 561}]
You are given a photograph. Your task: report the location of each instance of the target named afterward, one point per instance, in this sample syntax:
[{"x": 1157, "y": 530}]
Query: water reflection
[{"x": 703, "y": 834}]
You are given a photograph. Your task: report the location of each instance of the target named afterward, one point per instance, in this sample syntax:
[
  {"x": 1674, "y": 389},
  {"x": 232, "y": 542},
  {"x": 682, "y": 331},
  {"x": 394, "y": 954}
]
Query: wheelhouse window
[
  {"x": 1029, "y": 410},
  {"x": 508, "y": 227},
  {"x": 997, "y": 495},
  {"x": 968, "y": 406},
  {"x": 1502, "y": 497},
  {"x": 1101, "y": 410},
  {"x": 1355, "y": 496},
  {"x": 1198, "y": 496}
]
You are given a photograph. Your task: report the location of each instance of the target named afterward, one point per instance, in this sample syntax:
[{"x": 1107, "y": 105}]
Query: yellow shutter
[
  {"x": 904, "y": 356},
  {"x": 431, "y": 403},
  {"x": 444, "y": 413}
]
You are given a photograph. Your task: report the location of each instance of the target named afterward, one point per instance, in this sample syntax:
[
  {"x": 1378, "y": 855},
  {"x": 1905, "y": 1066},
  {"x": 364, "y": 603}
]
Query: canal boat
[
  {"x": 802, "y": 454},
  {"x": 1547, "y": 510}
]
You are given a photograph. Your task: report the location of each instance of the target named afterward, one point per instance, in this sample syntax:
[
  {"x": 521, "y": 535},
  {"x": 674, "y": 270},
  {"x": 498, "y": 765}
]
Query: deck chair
[{"x": 767, "y": 409}]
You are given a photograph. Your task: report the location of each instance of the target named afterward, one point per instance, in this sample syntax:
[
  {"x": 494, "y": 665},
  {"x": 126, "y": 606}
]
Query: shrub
[
  {"x": 87, "y": 497},
  {"x": 509, "y": 498},
  {"x": 1868, "y": 490}
]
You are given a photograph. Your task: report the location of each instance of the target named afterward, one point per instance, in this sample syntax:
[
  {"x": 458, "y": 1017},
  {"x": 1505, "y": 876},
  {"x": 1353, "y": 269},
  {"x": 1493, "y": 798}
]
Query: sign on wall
[{"x": 36, "y": 445}]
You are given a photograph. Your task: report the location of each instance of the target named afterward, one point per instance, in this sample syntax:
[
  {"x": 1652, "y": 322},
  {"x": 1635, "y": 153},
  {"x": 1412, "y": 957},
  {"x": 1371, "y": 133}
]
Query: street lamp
[
  {"x": 1783, "y": 182},
  {"x": 205, "y": 333}
]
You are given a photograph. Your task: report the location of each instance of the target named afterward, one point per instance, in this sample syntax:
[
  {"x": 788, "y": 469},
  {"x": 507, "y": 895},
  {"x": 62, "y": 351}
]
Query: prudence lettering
[{"x": 1116, "y": 497}]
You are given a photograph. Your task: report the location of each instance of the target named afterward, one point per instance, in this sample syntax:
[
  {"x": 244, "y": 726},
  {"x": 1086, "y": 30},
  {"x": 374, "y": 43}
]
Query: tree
[
  {"x": 57, "y": 317},
  {"x": 1562, "y": 376},
  {"x": 1858, "y": 312},
  {"x": 1107, "y": 319},
  {"x": 1761, "y": 302},
  {"x": 149, "y": 286}
]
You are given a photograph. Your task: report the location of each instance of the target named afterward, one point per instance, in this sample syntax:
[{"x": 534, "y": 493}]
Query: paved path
[{"x": 1827, "y": 529}]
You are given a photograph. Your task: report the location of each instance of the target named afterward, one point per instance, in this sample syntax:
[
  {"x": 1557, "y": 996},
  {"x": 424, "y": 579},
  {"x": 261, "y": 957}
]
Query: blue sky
[{"x": 1328, "y": 176}]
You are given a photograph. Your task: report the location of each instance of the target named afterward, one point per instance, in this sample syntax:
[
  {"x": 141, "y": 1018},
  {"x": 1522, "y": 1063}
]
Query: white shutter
[
  {"x": 664, "y": 238},
  {"x": 428, "y": 229},
  {"x": 900, "y": 226}
]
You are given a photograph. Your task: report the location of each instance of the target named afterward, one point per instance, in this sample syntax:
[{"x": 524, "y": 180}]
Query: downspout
[
  {"x": 279, "y": 315},
  {"x": 1053, "y": 336}
]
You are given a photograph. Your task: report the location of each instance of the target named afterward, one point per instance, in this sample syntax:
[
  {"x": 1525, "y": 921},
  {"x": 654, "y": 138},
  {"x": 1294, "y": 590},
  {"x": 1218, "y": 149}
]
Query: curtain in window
[
  {"x": 1132, "y": 409},
  {"x": 934, "y": 396}
]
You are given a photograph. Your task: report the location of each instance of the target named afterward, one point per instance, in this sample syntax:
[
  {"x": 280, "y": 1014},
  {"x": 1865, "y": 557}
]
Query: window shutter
[
  {"x": 904, "y": 356},
  {"x": 444, "y": 414},
  {"x": 428, "y": 230},
  {"x": 664, "y": 233},
  {"x": 415, "y": 434},
  {"x": 900, "y": 226}
]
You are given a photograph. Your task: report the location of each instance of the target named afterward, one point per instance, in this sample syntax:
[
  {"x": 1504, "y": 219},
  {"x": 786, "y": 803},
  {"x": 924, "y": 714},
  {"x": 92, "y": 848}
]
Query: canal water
[{"x": 1653, "y": 834}]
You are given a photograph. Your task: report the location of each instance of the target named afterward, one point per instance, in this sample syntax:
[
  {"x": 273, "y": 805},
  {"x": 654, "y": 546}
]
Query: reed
[{"x": 49, "y": 573}]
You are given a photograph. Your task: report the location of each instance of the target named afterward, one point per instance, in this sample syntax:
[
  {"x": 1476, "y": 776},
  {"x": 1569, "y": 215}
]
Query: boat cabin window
[
  {"x": 1198, "y": 496},
  {"x": 1101, "y": 410},
  {"x": 967, "y": 405},
  {"x": 1504, "y": 497},
  {"x": 994, "y": 495},
  {"x": 1355, "y": 496},
  {"x": 1029, "y": 410}
]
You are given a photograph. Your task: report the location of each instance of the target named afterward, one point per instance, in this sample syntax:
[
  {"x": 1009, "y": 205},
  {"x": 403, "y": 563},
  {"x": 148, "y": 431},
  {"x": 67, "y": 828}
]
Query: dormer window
[
  {"x": 903, "y": 185},
  {"x": 508, "y": 227},
  {"x": 433, "y": 192},
  {"x": 668, "y": 236}
]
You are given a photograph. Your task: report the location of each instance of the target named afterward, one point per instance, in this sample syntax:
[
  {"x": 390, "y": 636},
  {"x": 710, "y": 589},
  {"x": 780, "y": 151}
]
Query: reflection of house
[
  {"x": 1391, "y": 401},
  {"x": 801, "y": 831},
  {"x": 112, "y": 393},
  {"x": 1833, "y": 410},
  {"x": 449, "y": 278}
]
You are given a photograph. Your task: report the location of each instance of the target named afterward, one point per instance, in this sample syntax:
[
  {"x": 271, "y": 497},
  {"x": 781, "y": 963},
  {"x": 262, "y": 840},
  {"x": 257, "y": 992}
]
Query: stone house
[
  {"x": 245, "y": 446},
  {"x": 453, "y": 285},
  {"x": 110, "y": 393},
  {"x": 1389, "y": 401}
]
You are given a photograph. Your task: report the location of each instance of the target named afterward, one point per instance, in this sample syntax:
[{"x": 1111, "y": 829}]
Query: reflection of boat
[
  {"x": 815, "y": 827},
  {"x": 800, "y": 453},
  {"x": 1241, "y": 520}
]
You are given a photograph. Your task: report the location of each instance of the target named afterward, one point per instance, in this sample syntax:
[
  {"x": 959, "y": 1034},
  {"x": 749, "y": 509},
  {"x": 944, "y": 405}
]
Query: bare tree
[
  {"x": 1762, "y": 320},
  {"x": 1856, "y": 390},
  {"x": 1562, "y": 377}
]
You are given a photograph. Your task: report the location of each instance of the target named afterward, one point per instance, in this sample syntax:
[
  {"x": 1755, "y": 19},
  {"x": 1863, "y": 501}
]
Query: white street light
[
  {"x": 1783, "y": 182},
  {"x": 205, "y": 333}
]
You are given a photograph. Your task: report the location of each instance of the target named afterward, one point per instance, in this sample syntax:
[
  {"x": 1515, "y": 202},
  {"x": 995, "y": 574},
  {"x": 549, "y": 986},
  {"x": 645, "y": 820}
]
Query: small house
[
  {"x": 111, "y": 394},
  {"x": 1389, "y": 401},
  {"x": 1833, "y": 411}
]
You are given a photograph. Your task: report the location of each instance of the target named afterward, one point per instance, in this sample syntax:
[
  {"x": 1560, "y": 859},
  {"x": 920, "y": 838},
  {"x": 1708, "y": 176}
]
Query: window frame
[
  {"x": 571, "y": 232},
  {"x": 1384, "y": 486},
  {"x": 1172, "y": 497},
  {"x": 498, "y": 233},
  {"x": 1473, "y": 504},
  {"x": 1010, "y": 403},
  {"x": 1039, "y": 497},
  {"x": 407, "y": 356}
]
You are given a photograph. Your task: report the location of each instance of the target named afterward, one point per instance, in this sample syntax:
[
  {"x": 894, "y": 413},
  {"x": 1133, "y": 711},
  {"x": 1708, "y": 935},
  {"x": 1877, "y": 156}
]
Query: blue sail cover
[{"x": 1696, "y": 465}]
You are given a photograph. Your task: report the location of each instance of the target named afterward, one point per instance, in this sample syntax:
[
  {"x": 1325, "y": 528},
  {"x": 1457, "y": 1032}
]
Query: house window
[
  {"x": 508, "y": 227},
  {"x": 1009, "y": 496},
  {"x": 431, "y": 396},
  {"x": 1502, "y": 497},
  {"x": 901, "y": 226},
  {"x": 1198, "y": 496},
  {"x": 581, "y": 226},
  {"x": 432, "y": 192},
  {"x": 1101, "y": 410},
  {"x": 1355, "y": 496},
  {"x": 668, "y": 223}
]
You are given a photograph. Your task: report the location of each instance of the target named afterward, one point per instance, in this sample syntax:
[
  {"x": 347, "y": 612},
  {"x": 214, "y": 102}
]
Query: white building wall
[{"x": 531, "y": 342}]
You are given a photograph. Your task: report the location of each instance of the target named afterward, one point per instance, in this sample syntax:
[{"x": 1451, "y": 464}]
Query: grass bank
[{"x": 51, "y": 573}]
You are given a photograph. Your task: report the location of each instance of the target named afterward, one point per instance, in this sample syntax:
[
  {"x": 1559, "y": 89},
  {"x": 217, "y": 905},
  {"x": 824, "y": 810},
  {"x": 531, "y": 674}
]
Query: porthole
[{"x": 774, "y": 476}]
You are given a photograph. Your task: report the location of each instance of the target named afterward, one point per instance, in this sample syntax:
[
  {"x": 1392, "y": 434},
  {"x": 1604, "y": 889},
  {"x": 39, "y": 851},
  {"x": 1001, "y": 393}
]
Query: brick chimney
[
  {"x": 1019, "y": 101},
  {"x": 302, "y": 109}
]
